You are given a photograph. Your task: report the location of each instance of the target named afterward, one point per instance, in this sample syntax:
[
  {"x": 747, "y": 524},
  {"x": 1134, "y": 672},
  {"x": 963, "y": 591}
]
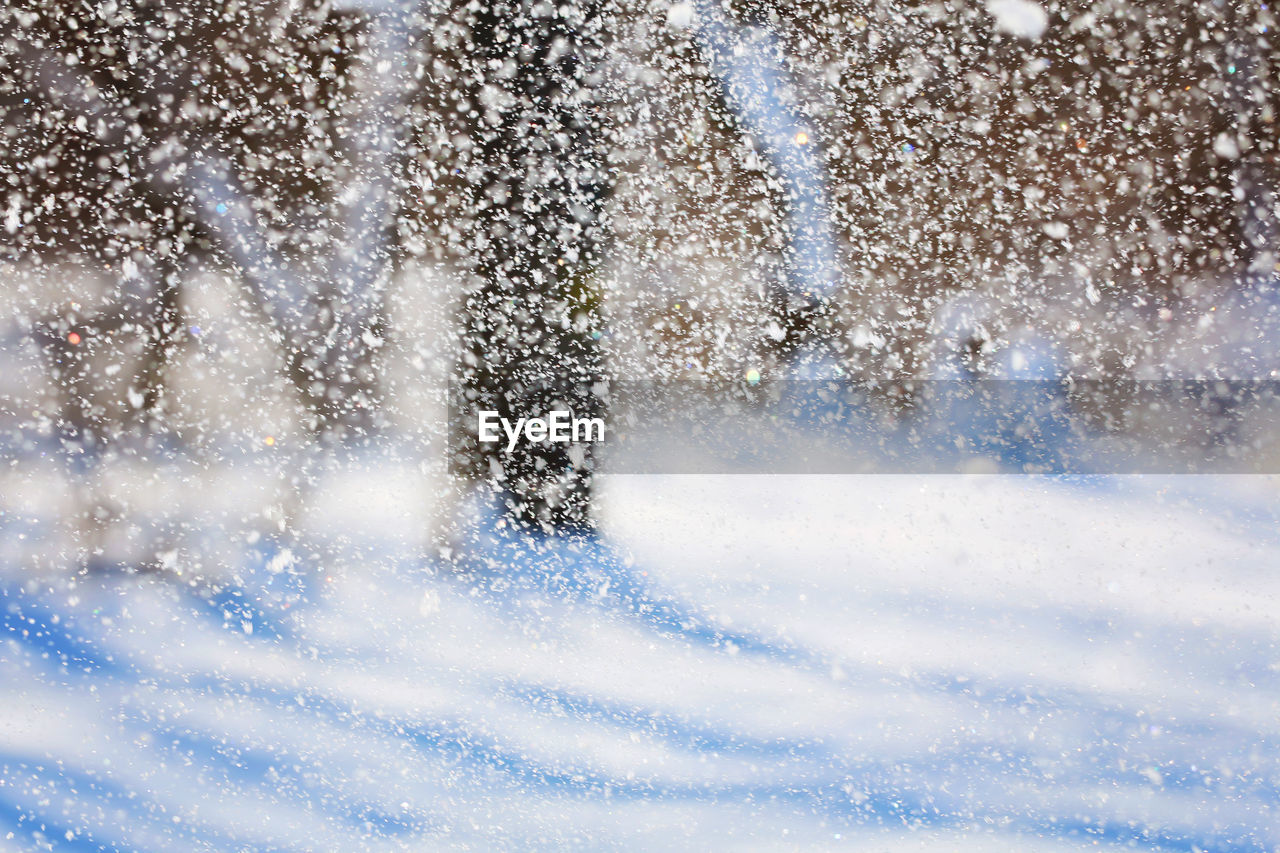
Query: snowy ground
[{"x": 986, "y": 663}]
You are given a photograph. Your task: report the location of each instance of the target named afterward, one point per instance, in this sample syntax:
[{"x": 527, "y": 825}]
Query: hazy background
[{"x": 234, "y": 242}]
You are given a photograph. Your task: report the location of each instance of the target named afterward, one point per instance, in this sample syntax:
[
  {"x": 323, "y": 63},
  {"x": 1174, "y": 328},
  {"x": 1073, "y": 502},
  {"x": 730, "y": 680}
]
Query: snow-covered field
[{"x": 946, "y": 663}]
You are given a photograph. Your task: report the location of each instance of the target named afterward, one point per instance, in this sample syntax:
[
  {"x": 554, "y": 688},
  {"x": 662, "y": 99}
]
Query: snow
[
  {"x": 680, "y": 15},
  {"x": 1225, "y": 146},
  {"x": 1024, "y": 19},
  {"x": 1013, "y": 662},
  {"x": 249, "y": 245}
]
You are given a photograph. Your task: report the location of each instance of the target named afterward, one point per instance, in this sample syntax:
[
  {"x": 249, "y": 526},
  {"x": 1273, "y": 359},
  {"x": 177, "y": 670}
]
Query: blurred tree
[
  {"x": 1124, "y": 152},
  {"x": 151, "y": 137},
  {"x": 539, "y": 184}
]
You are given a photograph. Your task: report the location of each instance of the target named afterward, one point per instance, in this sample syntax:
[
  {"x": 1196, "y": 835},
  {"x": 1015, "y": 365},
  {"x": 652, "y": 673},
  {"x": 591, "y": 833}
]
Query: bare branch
[{"x": 196, "y": 173}]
